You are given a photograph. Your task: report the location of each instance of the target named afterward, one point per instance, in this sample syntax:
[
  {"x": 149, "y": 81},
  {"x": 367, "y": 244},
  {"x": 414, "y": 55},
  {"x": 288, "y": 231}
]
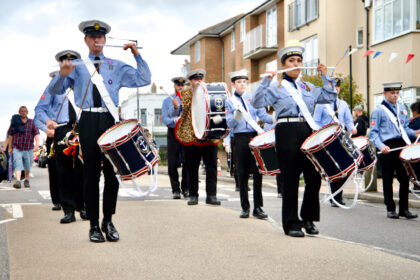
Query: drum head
[
  {"x": 199, "y": 109},
  {"x": 360, "y": 142},
  {"x": 117, "y": 132},
  {"x": 263, "y": 139},
  {"x": 411, "y": 152},
  {"x": 319, "y": 137}
]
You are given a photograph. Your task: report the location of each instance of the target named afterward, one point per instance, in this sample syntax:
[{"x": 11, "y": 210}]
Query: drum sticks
[{"x": 114, "y": 46}]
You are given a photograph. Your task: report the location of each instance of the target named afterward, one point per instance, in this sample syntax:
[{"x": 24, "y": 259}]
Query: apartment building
[{"x": 326, "y": 28}]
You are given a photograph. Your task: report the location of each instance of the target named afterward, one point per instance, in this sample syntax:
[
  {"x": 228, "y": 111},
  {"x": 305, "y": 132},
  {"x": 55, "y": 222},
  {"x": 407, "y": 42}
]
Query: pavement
[{"x": 166, "y": 239}]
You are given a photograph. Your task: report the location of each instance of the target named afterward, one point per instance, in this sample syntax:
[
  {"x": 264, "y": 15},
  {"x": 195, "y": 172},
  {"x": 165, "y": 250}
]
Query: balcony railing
[{"x": 254, "y": 44}]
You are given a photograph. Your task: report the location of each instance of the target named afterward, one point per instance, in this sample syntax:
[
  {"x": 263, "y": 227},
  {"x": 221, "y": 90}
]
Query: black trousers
[
  {"x": 391, "y": 163},
  {"x": 233, "y": 167},
  {"x": 91, "y": 127},
  {"x": 52, "y": 174},
  {"x": 280, "y": 183},
  {"x": 69, "y": 171},
  {"x": 192, "y": 164},
  {"x": 289, "y": 138},
  {"x": 245, "y": 162},
  {"x": 175, "y": 152}
]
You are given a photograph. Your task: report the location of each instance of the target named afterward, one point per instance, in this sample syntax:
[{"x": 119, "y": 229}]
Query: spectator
[
  {"x": 361, "y": 121},
  {"x": 22, "y": 133},
  {"x": 415, "y": 120}
]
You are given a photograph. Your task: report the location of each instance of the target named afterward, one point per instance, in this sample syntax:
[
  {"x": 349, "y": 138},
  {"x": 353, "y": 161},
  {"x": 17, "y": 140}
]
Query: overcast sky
[{"x": 33, "y": 31}]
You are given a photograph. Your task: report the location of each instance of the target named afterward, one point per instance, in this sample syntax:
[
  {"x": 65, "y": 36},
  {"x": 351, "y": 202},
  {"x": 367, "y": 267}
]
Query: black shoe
[
  {"x": 110, "y": 231},
  {"x": 17, "y": 185},
  {"x": 26, "y": 183},
  {"x": 83, "y": 214},
  {"x": 339, "y": 201},
  {"x": 407, "y": 214},
  {"x": 68, "y": 218},
  {"x": 244, "y": 214},
  {"x": 95, "y": 234},
  {"x": 310, "y": 228},
  {"x": 392, "y": 215},
  {"x": 295, "y": 233},
  {"x": 186, "y": 194},
  {"x": 56, "y": 207},
  {"x": 176, "y": 195},
  {"x": 279, "y": 195},
  {"x": 212, "y": 200},
  {"x": 259, "y": 213},
  {"x": 237, "y": 189},
  {"x": 193, "y": 200}
]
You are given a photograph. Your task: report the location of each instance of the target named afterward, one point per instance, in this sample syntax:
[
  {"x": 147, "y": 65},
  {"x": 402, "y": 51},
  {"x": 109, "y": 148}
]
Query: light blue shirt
[
  {"x": 116, "y": 74},
  {"x": 269, "y": 94},
  {"x": 243, "y": 126},
  {"x": 382, "y": 128},
  {"x": 322, "y": 115},
  {"x": 175, "y": 113},
  {"x": 166, "y": 106}
]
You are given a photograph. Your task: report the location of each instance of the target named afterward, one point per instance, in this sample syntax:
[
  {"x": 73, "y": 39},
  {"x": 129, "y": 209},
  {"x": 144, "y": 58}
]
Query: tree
[{"x": 344, "y": 88}]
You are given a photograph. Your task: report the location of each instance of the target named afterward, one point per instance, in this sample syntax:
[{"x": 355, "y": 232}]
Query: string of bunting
[{"x": 392, "y": 56}]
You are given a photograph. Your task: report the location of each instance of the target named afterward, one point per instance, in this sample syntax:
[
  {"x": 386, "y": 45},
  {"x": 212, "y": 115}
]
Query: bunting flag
[
  {"x": 409, "y": 58},
  {"x": 392, "y": 56},
  {"x": 377, "y": 54},
  {"x": 347, "y": 50},
  {"x": 369, "y": 52},
  {"x": 353, "y": 51}
]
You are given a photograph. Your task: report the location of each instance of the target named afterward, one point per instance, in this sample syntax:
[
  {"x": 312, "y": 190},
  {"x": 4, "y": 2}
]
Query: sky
[{"x": 33, "y": 31}]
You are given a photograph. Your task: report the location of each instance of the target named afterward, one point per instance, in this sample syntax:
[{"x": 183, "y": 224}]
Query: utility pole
[{"x": 351, "y": 82}]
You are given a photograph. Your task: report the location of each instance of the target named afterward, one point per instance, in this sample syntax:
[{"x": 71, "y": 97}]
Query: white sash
[
  {"x": 100, "y": 85},
  {"x": 396, "y": 121},
  {"x": 297, "y": 97},
  {"x": 70, "y": 97},
  {"x": 331, "y": 111},
  {"x": 246, "y": 115}
]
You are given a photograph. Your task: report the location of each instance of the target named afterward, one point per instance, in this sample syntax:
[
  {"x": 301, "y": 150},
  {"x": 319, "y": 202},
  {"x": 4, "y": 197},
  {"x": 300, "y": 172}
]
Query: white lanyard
[
  {"x": 332, "y": 113},
  {"x": 70, "y": 97},
  {"x": 297, "y": 97},
  {"x": 397, "y": 123},
  {"x": 99, "y": 82},
  {"x": 246, "y": 115}
]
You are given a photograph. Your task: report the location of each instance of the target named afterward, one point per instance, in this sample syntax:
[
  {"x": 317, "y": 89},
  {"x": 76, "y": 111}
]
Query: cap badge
[
  {"x": 68, "y": 55},
  {"x": 181, "y": 80},
  {"x": 96, "y": 26}
]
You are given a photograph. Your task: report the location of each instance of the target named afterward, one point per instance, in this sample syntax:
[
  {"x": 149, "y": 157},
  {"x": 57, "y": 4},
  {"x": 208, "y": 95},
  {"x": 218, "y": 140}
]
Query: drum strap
[
  {"x": 332, "y": 113},
  {"x": 99, "y": 82},
  {"x": 246, "y": 115},
  {"x": 396, "y": 121},
  {"x": 297, "y": 97}
]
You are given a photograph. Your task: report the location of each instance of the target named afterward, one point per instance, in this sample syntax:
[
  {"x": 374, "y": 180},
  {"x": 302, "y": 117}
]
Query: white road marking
[
  {"x": 6, "y": 221},
  {"x": 17, "y": 211},
  {"x": 45, "y": 194}
]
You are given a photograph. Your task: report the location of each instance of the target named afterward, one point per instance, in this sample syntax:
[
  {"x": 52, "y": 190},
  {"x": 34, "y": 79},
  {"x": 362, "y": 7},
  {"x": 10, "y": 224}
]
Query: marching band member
[
  {"x": 175, "y": 148},
  {"x": 99, "y": 113},
  {"x": 389, "y": 129},
  {"x": 337, "y": 111},
  {"x": 243, "y": 133},
  {"x": 58, "y": 115},
  {"x": 195, "y": 149},
  {"x": 293, "y": 101}
]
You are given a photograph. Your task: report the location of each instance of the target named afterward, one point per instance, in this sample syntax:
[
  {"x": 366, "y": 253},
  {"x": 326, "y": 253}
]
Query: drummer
[
  {"x": 386, "y": 133},
  {"x": 293, "y": 101},
  {"x": 58, "y": 115},
  {"x": 99, "y": 104},
  {"x": 337, "y": 111},
  {"x": 175, "y": 148},
  {"x": 206, "y": 150},
  {"x": 243, "y": 133}
]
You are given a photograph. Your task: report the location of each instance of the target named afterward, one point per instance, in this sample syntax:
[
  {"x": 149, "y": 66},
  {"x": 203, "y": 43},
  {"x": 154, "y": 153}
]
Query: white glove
[
  {"x": 176, "y": 119},
  {"x": 237, "y": 115},
  {"x": 227, "y": 148}
]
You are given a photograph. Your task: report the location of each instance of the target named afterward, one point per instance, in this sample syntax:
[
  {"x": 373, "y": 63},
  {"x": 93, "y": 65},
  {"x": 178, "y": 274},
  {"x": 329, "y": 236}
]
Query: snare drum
[
  {"x": 332, "y": 152},
  {"x": 126, "y": 147},
  {"x": 369, "y": 157},
  {"x": 208, "y": 112},
  {"x": 410, "y": 157},
  {"x": 262, "y": 147}
]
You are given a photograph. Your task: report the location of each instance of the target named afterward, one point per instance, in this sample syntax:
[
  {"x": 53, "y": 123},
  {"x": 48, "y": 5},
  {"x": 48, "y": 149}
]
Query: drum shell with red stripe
[
  {"x": 265, "y": 153},
  {"x": 410, "y": 157}
]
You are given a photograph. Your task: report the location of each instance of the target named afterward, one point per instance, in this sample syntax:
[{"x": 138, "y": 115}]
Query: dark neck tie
[
  {"x": 72, "y": 114},
  {"x": 96, "y": 95},
  {"x": 242, "y": 101}
]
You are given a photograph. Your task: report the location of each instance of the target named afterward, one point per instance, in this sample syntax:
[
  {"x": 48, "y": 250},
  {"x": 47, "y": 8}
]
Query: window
[
  {"x": 391, "y": 17},
  {"x": 310, "y": 58},
  {"x": 232, "y": 40},
  {"x": 242, "y": 32},
  {"x": 359, "y": 38},
  {"x": 271, "y": 31},
  {"x": 158, "y": 117},
  {"x": 197, "y": 52},
  {"x": 302, "y": 12},
  {"x": 418, "y": 15},
  {"x": 143, "y": 117},
  {"x": 272, "y": 66}
]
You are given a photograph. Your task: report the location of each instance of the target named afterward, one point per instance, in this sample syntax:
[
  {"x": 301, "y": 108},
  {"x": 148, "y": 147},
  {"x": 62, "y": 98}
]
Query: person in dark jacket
[
  {"x": 415, "y": 120},
  {"x": 361, "y": 121}
]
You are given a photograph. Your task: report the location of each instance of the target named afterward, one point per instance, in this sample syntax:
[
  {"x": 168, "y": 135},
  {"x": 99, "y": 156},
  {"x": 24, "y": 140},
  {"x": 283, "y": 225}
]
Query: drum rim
[
  {"x": 361, "y": 137},
  {"x": 327, "y": 141},
  {"x": 120, "y": 140},
  {"x": 405, "y": 150},
  {"x": 265, "y": 132},
  {"x": 203, "y": 85}
]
